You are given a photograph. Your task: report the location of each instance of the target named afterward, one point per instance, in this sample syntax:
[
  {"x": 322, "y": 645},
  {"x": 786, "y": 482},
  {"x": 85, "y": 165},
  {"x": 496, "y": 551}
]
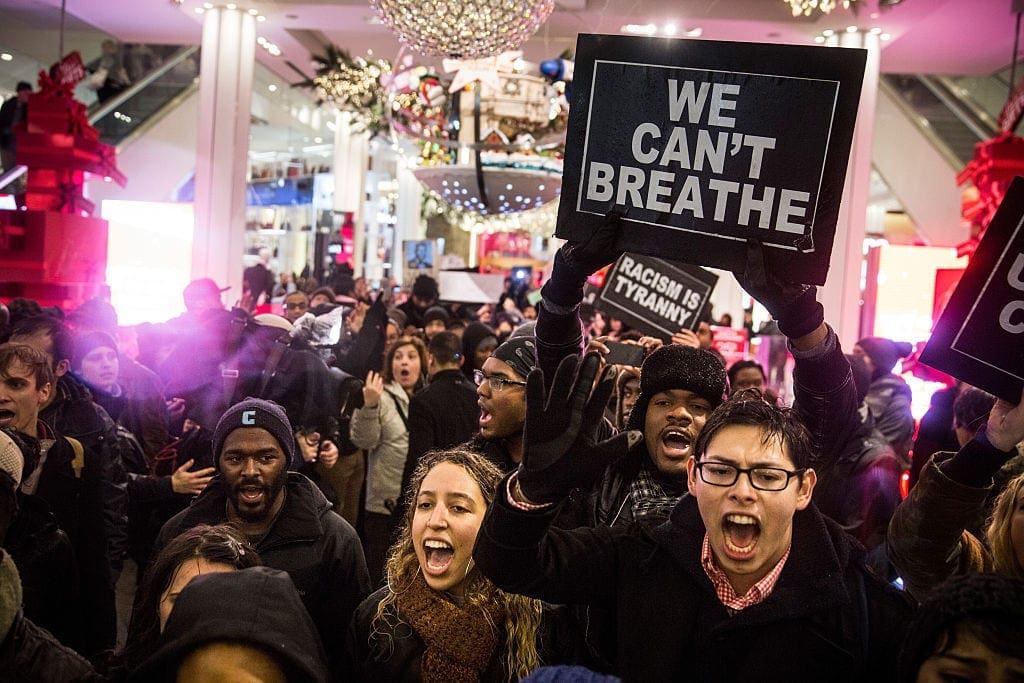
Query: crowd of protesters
[{"x": 381, "y": 486}]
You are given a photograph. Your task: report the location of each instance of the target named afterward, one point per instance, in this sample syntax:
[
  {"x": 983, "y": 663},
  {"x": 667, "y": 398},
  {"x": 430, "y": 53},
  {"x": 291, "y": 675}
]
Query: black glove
[
  {"x": 794, "y": 306},
  {"x": 576, "y": 261},
  {"x": 559, "y": 447}
]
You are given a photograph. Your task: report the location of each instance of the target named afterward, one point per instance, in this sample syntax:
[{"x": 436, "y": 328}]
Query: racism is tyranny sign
[
  {"x": 703, "y": 145},
  {"x": 655, "y": 296},
  {"x": 979, "y": 337}
]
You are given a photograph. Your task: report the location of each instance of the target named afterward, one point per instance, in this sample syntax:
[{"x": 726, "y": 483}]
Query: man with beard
[{"x": 286, "y": 517}]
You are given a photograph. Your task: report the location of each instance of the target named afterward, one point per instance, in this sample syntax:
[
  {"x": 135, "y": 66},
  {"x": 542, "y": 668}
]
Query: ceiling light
[
  {"x": 819, "y": 39},
  {"x": 6, "y": 56},
  {"x": 669, "y": 29},
  {"x": 875, "y": 31},
  {"x": 885, "y": 36},
  {"x": 232, "y": 5},
  {"x": 272, "y": 88},
  {"x": 467, "y": 29},
  {"x": 640, "y": 29},
  {"x": 261, "y": 18},
  {"x": 828, "y": 33},
  {"x": 808, "y": 7},
  {"x": 199, "y": 10},
  {"x": 851, "y": 29},
  {"x": 207, "y": 5},
  {"x": 253, "y": 11},
  {"x": 695, "y": 32}
]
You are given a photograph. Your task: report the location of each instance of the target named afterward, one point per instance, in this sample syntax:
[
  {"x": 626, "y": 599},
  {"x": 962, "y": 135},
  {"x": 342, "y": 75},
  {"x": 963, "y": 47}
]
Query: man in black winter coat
[
  {"x": 745, "y": 580},
  {"x": 72, "y": 480},
  {"x": 286, "y": 517}
]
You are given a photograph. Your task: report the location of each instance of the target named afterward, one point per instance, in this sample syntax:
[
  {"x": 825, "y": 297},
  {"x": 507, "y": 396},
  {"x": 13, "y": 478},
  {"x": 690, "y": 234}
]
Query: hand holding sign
[
  {"x": 575, "y": 261},
  {"x": 1006, "y": 424},
  {"x": 794, "y": 306}
]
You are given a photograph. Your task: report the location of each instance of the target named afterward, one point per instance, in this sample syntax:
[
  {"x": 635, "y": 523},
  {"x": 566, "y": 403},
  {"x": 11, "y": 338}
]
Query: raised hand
[
  {"x": 190, "y": 483},
  {"x": 794, "y": 306},
  {"x": 1005, "y": 427},
  {"x": 372, "y": 389},
  {"x": 686, "y": 338},
  {"x": 559, "y": 447}
]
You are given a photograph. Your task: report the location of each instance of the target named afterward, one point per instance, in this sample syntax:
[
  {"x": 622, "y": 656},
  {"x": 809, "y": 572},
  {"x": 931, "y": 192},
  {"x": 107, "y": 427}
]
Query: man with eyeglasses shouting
[
  {"x": 746, "y": 580},
  {"x": 501, "y": 384}
]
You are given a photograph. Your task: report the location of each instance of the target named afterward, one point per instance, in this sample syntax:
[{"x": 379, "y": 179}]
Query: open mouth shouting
[
  {"x": 251, "y": 495},
  {"x": 740, "y": 533},
  {"x": 6, "y": 416},
  {"x": 676, "y": 442},
  {"x": 439, "y": 555}
]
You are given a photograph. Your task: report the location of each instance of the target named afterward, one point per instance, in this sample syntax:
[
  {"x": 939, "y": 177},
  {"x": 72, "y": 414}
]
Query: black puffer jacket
[{"x": 318, "y": 549}]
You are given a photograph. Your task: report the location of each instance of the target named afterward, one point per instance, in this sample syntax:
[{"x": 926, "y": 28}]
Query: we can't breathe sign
[{"x": 704, "y": 145}]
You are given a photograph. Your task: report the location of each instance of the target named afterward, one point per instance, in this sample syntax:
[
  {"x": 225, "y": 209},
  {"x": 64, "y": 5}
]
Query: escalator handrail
[
  {"x": 112, "y": 104},
  {"x": 937, "y": 143},
  {"x": 967, "y": 117}
]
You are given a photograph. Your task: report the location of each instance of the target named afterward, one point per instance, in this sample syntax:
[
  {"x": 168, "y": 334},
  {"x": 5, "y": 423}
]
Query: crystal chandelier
[
  {"x": 463, "y": 28},
  {"x": 807, "y": 7}
]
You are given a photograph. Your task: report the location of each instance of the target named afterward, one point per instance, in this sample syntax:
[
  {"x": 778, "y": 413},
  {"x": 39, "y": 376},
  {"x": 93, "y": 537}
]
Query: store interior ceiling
[
  {"x": 926, "y": 36},
  {"x": 961, "y": 37}
]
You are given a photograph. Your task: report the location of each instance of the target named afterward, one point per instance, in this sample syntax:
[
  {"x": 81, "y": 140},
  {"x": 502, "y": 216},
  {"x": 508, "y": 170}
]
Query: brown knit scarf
[{"x": 459, "y": 642}]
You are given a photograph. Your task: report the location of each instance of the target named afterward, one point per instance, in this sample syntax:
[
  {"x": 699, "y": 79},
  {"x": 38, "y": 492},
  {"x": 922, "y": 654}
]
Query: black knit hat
[
  {"x": 255, "y": 412},
  {"x": 884, "y": 352},
  {"x": 435, "y": 313},
  {"x": 678, "y": 367}
]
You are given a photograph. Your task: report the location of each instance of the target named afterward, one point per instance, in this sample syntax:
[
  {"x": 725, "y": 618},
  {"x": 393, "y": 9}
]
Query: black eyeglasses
[
  {"x": 761, "y": 478},
  {"x": 497, "y": 382}
]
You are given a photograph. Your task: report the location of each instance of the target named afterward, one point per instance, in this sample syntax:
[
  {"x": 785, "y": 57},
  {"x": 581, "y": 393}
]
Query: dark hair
[
  {"x": 56, "y": 330},
  {"x": 445, "y": 348},
  {"x": 22, "y": 85},
  {"x": 425, "y": 287},
  {"x": 421, "y": 351},
  {"x": 35, "y": 361},
  {"x": 988, "y": 606},
  {"x": 748, "y": 407},
  {"x": 326, "y": 291},
  {"x": 222, "y": 544},
  {"x": 739, "y": 365},
  {"x": 971, "y": 407}
]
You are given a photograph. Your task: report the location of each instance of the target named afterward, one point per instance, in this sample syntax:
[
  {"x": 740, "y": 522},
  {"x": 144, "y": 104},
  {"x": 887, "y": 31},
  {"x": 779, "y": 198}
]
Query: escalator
[
  {"x": 926, "y": 129},
  {"x": 122, "y": 117}
]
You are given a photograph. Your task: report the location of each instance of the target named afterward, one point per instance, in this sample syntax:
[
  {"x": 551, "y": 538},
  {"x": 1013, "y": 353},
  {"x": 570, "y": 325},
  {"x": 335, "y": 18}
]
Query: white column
[
  {"x": 351, "y": 157},
  {"x": 225, "y": 101},
  {"x": 408, "y": 214},
  {"x": 841, "y": 294}
]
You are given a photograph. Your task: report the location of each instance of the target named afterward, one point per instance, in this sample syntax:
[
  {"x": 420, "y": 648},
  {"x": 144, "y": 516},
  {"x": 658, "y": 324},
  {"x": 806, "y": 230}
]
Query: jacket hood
[{"x": 259, "y": 607}]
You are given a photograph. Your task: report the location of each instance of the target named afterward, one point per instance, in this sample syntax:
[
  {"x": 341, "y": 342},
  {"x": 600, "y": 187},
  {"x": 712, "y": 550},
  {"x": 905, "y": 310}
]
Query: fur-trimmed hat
[
  {"x": 255, "y": 412},
  {"x": 678, "y": 367}
]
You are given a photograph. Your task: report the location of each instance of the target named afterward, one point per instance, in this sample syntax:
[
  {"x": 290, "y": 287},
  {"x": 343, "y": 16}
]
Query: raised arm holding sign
[{"x": 703, "y": 145}]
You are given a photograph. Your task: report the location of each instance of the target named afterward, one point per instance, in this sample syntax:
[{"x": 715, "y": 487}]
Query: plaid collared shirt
[{"x": 758, "y": 593}]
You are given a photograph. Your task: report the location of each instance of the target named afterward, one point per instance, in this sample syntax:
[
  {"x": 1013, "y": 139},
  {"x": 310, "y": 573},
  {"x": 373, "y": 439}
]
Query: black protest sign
[
  {"x": 656, "y": 297},
  {"x": 979, "y": 337},
  {"x": 702, "y": 145}
]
